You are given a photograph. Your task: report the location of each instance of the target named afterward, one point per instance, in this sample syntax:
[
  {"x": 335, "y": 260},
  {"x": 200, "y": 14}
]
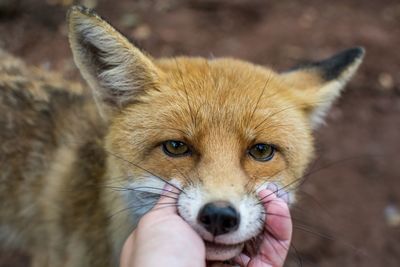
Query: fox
[{"x": 80, "y": 165}]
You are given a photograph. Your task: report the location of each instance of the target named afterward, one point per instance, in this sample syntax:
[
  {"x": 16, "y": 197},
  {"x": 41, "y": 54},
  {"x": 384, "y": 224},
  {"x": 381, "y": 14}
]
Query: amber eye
[
  {"x": 175, "y": 148},
  {"x": 262, "y": 152}
]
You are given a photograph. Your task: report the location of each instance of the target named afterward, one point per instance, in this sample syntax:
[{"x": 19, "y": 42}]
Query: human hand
[
  {"x": 155, "y": 241},
  {"x": 276, "y": 237},
  {"x": 163, "y": 238}
]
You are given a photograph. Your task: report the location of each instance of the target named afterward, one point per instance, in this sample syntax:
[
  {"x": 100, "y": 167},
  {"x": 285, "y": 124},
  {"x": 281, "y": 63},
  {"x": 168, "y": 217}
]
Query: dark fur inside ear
[
  {"x": 334, "y": 66},
  {"x": 95, "y": 58}
]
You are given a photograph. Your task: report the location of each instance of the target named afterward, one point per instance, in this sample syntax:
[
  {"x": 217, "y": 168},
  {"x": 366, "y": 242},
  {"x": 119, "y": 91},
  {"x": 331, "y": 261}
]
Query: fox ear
[
  {"x": 113, "y": 67},
  {"x": 318, "y": 84}
]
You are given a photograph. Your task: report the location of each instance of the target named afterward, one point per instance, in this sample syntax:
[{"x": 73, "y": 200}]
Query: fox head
[{"x": 220, "y": 129}]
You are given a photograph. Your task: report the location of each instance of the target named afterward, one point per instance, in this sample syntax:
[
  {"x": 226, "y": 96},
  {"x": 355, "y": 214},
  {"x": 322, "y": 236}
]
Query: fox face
[{"x": 220, "y": 130}]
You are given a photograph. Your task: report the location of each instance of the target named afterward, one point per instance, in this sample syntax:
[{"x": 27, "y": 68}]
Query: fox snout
[
  {"x": 219, "y": 217},
  {"x": 228, "y": 221}
]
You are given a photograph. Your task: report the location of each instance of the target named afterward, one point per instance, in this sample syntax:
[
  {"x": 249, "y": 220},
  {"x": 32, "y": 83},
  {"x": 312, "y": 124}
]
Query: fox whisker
[{"x": 143, "y": 169}]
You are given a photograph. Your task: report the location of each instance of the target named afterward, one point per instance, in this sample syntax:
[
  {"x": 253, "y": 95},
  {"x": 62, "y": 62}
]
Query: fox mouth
[
  {"x": 222, "y": 252},
  {"x": 218, "y": 252}
]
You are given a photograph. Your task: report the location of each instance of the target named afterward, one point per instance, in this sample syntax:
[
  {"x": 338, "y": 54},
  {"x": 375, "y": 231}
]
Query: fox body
[{"x": 77, "y": 174}]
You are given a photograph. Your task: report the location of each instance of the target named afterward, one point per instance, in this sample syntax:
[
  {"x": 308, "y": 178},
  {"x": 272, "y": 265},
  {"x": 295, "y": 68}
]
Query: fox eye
[
  {"x": 174, "y": 148},
  {"x": 262, "y": 152}
]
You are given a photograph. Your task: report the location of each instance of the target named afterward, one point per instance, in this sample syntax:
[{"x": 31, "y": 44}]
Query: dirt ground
[{"x": 350, "y": 199}]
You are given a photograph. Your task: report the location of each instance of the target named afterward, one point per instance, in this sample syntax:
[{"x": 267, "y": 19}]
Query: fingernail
[
  {"x": 168, "y": 187},
  {"x": 273, "y": 187},
  {"x": 285, "y": 196},
  {"x": 280, "y": 193}
]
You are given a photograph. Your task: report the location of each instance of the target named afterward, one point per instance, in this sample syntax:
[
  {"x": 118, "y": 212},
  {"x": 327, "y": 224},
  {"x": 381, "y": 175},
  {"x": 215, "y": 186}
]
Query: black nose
[{"x": 219, "y": 218}]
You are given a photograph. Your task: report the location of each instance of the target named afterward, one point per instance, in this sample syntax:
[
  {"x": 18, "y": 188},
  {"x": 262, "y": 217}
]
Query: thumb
[{"x": 167, "y": 202}]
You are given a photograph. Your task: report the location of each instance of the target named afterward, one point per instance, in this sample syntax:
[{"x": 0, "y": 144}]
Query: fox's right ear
[{"x": 113, "y": 67}]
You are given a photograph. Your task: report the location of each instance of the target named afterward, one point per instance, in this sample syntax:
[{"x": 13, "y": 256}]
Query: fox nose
[{"x": 219, "y": 218}]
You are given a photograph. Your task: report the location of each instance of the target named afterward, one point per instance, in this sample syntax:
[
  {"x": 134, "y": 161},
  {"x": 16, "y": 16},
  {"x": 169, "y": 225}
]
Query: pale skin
[{"x": 163, "y": 238}]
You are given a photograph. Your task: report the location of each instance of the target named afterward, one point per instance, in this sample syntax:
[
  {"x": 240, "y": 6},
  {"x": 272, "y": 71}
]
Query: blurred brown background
[{"x": 348, "y": 214}]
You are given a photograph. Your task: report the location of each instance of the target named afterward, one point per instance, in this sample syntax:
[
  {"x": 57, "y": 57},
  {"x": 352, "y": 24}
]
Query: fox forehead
[{"x": 199, "y": 96}]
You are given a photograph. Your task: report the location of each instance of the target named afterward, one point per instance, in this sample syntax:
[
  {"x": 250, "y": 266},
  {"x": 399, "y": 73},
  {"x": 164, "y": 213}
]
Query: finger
[
  {"x": 278, "y": 232},
  {"x": 278, "y": 218},
  {"x": 126, "y": 255},
  {"x": 167, "y": 202}
]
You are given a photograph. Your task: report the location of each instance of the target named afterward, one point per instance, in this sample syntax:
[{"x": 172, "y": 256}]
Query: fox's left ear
[{"x": 318, "y": 84}]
